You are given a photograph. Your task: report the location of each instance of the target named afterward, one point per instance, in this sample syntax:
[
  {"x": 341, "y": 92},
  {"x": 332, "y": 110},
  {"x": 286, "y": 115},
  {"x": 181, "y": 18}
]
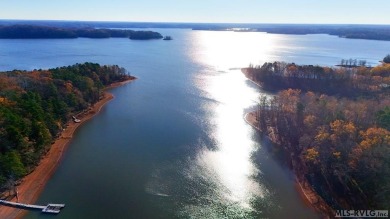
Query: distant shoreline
[
  {"x": 32, "y": 185},
  {"x": 350, "y": 31},
  {"x": 47, "y": 32}
]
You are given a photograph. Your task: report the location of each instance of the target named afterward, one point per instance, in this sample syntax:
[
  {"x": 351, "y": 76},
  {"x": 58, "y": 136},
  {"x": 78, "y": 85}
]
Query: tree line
[
  {"x": 340, "y": 145},
  {"x": 348, "y": 82},
  {"x": 350, "y": 63},
  {"x": 369, "y": 32},
  {"x": 351, "y": 32},
  {"x": 36, "y": 105},
  {"x": 44, "y": 32}
]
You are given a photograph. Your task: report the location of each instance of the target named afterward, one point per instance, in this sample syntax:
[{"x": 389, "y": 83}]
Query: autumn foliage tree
[
  {"x": 336, "y": 143},
  {"x": 35, "y": 106},
  {"x": 347, "y": 82}
]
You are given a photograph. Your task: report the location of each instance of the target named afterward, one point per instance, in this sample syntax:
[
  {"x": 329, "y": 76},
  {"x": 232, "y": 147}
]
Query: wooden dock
[{"x": 49, "y": 208}]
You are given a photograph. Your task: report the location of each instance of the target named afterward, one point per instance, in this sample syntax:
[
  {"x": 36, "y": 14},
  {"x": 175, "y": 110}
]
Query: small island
[
  {"x": 46, "y": 32},
  {"x": 167, "y": 38},
  {"x": 333, "y": 127}
]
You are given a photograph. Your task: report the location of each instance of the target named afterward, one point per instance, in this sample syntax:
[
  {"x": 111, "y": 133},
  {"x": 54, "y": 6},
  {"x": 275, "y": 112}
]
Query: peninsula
[
  {"x": 46, "y": 32},
  {"x": 34, "y": 139},
  {"x": 333, "y": 126}
]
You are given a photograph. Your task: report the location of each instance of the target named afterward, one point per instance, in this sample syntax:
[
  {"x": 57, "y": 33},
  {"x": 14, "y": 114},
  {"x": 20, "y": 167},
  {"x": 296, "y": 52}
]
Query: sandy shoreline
[{"x": 33, "y": 184}]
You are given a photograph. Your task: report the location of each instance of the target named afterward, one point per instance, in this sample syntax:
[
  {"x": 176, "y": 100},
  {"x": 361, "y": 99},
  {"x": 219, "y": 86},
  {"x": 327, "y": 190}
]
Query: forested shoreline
[
  {"x": 36, "y": 105},
  {"x": 334, "y": 125},
  {"x": 360, "y": 81},
  {"x": 367, "y": 32},
  {"x": 46, "y": 32}
]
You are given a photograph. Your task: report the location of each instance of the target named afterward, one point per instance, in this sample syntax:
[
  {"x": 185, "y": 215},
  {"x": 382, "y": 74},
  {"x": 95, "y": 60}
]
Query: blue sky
[{"x": 222, "y": 11}]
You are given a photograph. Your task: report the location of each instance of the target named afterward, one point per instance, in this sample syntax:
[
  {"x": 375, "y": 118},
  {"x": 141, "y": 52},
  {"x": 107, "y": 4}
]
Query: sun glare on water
[
  {"x": 223, "y": 82},
  {"x": 225, "y": 50}
]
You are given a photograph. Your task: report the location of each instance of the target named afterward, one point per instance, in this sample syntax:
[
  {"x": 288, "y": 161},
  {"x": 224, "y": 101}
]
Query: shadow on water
[{"x": 278, "y": 177}]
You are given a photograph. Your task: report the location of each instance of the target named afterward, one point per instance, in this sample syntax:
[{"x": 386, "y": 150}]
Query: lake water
[{"x": 174, "y": 144}]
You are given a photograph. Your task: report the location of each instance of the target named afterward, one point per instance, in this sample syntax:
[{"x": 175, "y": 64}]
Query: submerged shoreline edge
[
  {"x": 32, "y": 185},
  {"x": 305, "y": 191}
]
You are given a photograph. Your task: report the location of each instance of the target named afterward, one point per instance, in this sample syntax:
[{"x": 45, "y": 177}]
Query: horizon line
[{"x": 190, "y": 22}]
